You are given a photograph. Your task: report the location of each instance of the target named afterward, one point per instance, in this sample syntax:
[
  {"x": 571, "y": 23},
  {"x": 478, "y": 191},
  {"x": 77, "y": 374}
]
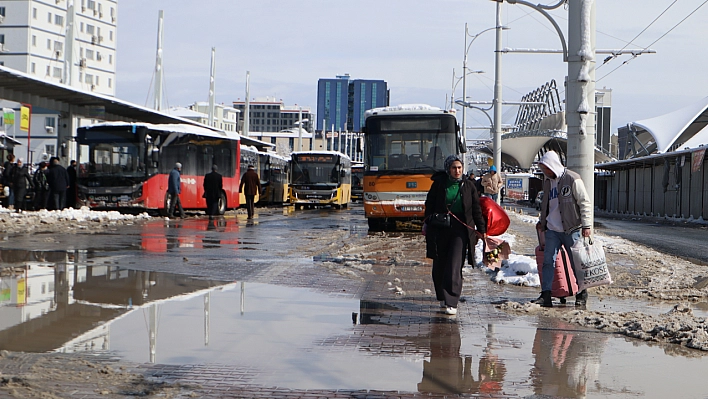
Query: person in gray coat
[{"x": 21, "y": 180}]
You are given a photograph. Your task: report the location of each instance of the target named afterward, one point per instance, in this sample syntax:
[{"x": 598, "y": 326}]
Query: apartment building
[{"x": 62, "y": 41}]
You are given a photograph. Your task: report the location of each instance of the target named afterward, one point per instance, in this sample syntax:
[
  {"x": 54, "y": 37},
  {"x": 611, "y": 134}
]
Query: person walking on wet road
[
  {"x": 71, "y": 191},
  {"x": 174, "y": 189},
  {"x": 58, "y": 180},
  {"x": 252, "y": 184},
  {"x": 566, "y": 213},
  {"x": 492, "y": 183},
  {"x": 213, "y": 186},
  {"x": 41, "y": 187},
  {"x": 452, "y": 194},
  {"x": 21, "y": 180}
]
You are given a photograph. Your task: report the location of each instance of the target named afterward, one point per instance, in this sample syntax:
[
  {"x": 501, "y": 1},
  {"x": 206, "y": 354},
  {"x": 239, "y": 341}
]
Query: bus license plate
[{"x": 411, "y": 208}]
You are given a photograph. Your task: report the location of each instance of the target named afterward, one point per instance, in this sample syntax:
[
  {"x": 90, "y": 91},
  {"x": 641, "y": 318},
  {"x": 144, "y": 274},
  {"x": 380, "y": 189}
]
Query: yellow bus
[
  {"x": 273, "y": 172},
  {"x": 404, "y": 146},
  {"x": 320, "y": 178}
]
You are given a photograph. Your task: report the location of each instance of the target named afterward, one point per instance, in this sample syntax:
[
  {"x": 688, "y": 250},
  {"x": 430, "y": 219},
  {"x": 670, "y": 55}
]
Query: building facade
[
  {"x": 342, "y": 101},
  {"x": 269, "y": 115},
  {"x": 61, "y": 41},
  {"x": 225, "y": 118}
]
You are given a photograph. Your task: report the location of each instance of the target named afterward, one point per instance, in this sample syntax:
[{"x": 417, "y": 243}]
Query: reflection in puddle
[{"x": 43, "y": 305}]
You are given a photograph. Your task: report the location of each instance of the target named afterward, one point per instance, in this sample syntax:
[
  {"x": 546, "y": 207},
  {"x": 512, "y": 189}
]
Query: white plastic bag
[{"x": 590, "y": 264}]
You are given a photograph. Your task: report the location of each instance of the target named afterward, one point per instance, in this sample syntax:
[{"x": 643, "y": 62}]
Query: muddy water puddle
[{"x": 301, "y": 339}]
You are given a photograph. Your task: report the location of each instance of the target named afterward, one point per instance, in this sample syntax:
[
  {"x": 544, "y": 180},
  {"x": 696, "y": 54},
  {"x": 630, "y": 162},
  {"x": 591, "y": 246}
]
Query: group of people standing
[
  {"x": 566, "y": 215},
  {"x": 50, "y": 183},
  {"x": 213, "y": 189}
]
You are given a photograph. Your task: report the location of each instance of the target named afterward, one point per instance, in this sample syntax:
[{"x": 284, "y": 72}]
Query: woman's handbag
[
  {"x": 590, "y": 264},
  {"x": 439, "y": 220}
]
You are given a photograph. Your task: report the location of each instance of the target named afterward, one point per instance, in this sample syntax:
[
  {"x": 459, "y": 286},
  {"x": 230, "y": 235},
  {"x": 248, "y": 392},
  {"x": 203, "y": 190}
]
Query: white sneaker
[{"x": 450, "y": 310}]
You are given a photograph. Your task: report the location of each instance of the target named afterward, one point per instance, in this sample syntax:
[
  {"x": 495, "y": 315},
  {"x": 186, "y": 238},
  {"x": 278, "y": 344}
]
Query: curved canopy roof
[{"x": 676, "y": 129}]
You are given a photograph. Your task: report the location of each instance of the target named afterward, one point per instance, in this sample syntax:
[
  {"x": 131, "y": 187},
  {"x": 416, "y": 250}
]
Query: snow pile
[
  {"x": 29, "y": 221},
  {"x": 517, "y": 270}
]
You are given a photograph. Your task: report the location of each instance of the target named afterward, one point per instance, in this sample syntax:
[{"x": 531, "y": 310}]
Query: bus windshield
[
  {"x": 112, "y": 154},
  {"x": 402, "y": 150},
  {"x": 315, "y": 169}
]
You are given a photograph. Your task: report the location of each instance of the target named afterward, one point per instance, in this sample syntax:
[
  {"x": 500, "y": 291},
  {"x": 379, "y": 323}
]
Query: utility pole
[
  {"x": 580, "y": 97},
  {"x": 158, "y": 62},
  {"x": 299, "y": 130},
  {"x": 247, "y": 106},
  {"x": 212, "y": 93},
  {"x": 496, "y": 139}
]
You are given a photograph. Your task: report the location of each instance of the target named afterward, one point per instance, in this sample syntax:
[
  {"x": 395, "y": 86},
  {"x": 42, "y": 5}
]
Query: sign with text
[
  {"x": 315, "y": 158},
  {"x": 25, "y": 115}
]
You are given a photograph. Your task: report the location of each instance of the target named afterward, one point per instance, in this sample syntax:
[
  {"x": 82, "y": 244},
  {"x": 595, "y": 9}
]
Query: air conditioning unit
[
  {"x": 99, "y": 57},
  {"x": 82, "y": 63},
  {"x": 95, "y": 12},
  {"x": 50, "y": 129},
  {"x": 3, "y": 49},
  {"x": 100, "y": 39},
  {"x": 58, "y": 54},
  {"x": 94, "y": 39},
  {"x": 2, "y": 19}
]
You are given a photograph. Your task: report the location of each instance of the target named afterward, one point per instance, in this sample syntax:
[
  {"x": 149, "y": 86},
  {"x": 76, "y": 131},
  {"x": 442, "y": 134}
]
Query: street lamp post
[{"x": 496, "y": 141}]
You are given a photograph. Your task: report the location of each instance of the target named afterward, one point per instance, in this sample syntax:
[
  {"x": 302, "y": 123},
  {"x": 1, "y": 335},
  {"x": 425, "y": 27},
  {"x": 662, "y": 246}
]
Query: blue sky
[{"x": 412, "y": 44}]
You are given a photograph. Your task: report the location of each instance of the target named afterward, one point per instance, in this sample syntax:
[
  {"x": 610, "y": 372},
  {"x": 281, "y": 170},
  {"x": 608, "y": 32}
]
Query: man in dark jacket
[
  {"x": 8, "y": 169},
  {"x": 174, "y": 189},
  {"x": 252, "y": 184},
  {"x": 213, "y": 186},
  {"x": 41, "y": 187},
  {"x": 71, "y": 192},
  {"x": 58, "y": 180},
  {"x": 454, "y": 194},
  {"x": 21, "y": 179}
]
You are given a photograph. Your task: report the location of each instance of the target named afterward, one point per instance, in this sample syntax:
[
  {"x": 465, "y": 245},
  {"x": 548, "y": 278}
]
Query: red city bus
[{"x": 126, "y": 166}]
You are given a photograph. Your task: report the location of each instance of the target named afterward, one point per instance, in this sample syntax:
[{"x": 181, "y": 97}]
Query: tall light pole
[
  {"x": 464, "y": 73},
  {"x": 496, "y": 140}
]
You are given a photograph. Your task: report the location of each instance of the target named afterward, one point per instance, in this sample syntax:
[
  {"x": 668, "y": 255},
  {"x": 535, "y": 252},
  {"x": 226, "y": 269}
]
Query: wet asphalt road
[{"x": 264, "y": 319}]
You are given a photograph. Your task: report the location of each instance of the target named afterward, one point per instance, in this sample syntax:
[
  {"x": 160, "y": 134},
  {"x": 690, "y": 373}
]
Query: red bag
[
  {"x": 564, "y": 283},
  {"x": 495, "y": 216}
]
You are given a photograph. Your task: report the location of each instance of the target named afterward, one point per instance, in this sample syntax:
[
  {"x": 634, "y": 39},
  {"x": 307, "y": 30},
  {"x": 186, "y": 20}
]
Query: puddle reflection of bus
[
  {"x": 404, "y": 146},
  {"x": 273, "y": 172},
  {"x": 320, "y": 178},
  {"x": 156, "y": 237},
  {"x": 126, "y": 165},
  {"x": 357, "y": 181}
]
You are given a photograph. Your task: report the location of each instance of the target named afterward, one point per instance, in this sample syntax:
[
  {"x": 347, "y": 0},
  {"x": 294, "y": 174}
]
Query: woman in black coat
[{"x": 451, "y": 192}]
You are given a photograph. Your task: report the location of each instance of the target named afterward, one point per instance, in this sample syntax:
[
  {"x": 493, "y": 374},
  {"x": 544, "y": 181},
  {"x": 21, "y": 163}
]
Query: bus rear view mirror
[{"x": 343, "y": 173}]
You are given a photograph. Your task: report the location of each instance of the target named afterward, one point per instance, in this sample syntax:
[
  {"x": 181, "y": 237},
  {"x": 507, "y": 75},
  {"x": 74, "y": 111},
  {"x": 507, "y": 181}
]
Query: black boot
[
  {"x": 581, "y": 299},
  {"x": 544, "y": 300}
]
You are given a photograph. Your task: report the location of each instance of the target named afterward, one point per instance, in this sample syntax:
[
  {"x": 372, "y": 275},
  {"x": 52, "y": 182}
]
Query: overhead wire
[
  {"x": 613, "y": 56},
  {"x": 655, "y": 41}
]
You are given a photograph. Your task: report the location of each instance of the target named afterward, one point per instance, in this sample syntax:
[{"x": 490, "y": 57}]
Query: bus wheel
[
  {"x": 221, "y": 204},
  {"x": 376, "y": 224}
]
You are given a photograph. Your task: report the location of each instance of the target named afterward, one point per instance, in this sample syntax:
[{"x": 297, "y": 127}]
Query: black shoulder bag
[{"x": 442, "y": 220}]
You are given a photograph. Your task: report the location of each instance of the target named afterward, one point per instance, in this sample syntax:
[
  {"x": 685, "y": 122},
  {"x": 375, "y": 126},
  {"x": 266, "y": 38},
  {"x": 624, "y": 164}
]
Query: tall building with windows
[
  {"x": 341, "y": 102},
  {"x": 63, "y": 41},
  {"x": 270, "y": 115}
]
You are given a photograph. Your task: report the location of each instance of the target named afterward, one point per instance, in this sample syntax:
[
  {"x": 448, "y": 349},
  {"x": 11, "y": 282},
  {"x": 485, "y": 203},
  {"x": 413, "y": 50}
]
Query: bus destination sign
[{"x": 316, "y": 158}]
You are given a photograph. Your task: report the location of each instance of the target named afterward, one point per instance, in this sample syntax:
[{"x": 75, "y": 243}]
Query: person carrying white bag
[{"x": 566, "y": 213}]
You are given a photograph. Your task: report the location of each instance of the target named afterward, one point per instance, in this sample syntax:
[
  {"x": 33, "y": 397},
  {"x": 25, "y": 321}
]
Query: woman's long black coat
[{"x": 435, "y": 203}]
